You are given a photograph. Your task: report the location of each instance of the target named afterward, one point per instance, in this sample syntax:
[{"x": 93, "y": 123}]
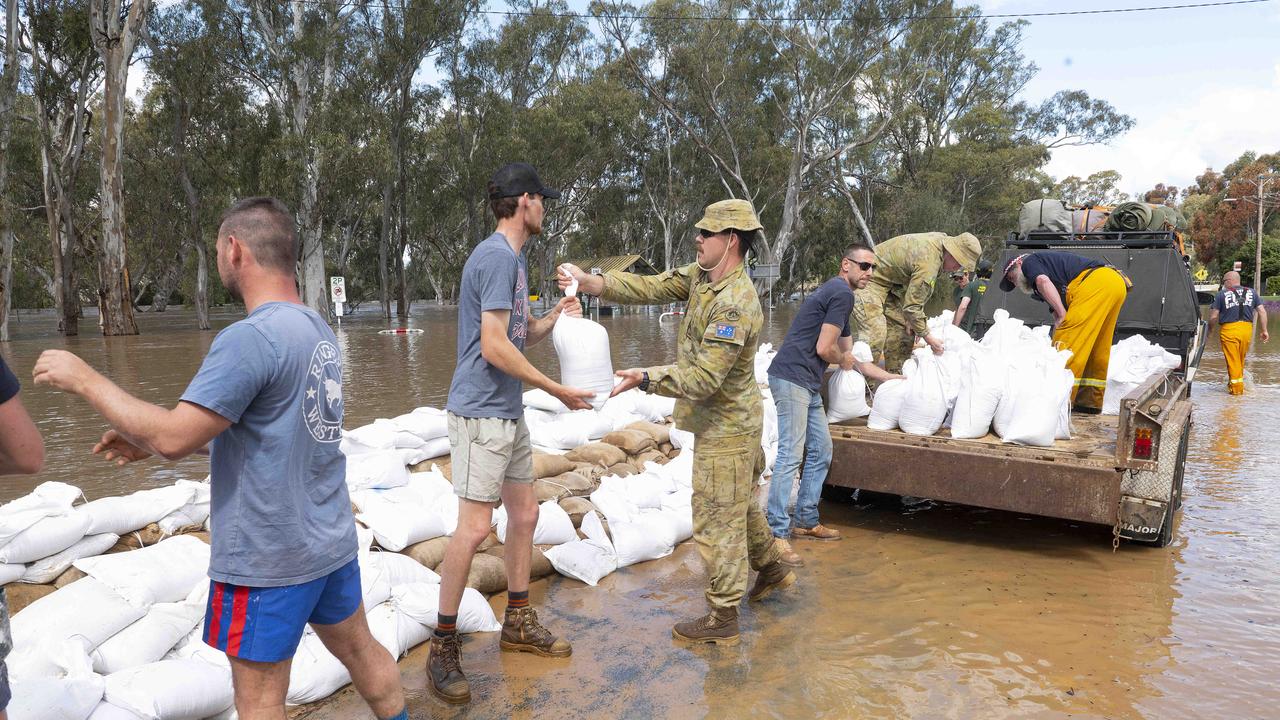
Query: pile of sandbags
[
  {"x": 1013, "y": 381},
  {"x": 552, "y": 427},
  {"x": 415, "y": 436},
  {"x": 1133, "y": 360}
]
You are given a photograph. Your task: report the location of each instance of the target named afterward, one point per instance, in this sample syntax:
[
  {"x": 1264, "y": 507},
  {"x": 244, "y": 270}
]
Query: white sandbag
[
  {"x": 107, "y": 711},
  {"x": 48, "y": 569},
  {"x": 681, "y": 439},
  {"x": 846, "y": 396},
  {"x": 427, "y": 423},
  {"x": 678, "y": 507},
  {"x": 612, "y": 502},
  {"x": 554, "y": 525},
  {"x": 652, "y": 534},
  {"x": 886, "y": 405},
  {"x": 315, "y": 673},
  {"x": 195, "y": 512},
  {"x": 925, "y": 406},
  {"x": 397, "y": 525},
  {"x": 654, "y": 408},
  {"x": 586, "y": 560},
  {"x": 1133, "y": 360},
  {"x": 11, "y": 572},
  {"x": 582, "y": 346},
  {"x": 434, "y": 448},
  {"x": 378, "y": 469},
  {"x": 164, "y": 572},
  {"x": 540, "y": 399},
  {"x": 982, "y": 382},
  {"x": 394, "y": 630},
  {"x": 421, "y": 602},
  {"x": 399, "y": 569},
  {"x": 48, "y": 499},
  {"x": 569, "y": 430},
  {"x": 71, "y": 692},
  {"x": 764, "y": 358},
  {"x": 48, "y": 536},
  {"x": 153, "y": 635},
  {"x": 1030, "y": 407},
  {"x": 85, "y": 613},
  {"x": 180, "y": 689},
  {"x": 124, "y": 514},
  {"x": 446, "y": 507}
]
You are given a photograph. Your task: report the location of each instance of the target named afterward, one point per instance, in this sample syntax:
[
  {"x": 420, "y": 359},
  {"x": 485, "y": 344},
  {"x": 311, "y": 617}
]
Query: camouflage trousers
[
  {"x": 728, "y": 526},
  {"x": 882, "y": 324}
]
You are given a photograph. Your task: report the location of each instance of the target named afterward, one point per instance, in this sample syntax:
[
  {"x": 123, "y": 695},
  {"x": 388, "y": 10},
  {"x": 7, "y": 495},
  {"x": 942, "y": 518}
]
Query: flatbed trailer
[{"x": 1122, "y": 471}]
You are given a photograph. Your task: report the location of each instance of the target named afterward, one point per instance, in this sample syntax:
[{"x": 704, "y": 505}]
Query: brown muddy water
[{"x": 937, "y": 611}]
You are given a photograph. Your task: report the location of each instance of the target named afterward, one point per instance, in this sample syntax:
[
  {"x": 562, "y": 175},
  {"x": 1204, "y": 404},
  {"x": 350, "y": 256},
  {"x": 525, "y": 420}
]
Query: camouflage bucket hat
[
  {"x": 965, "y": 248},
  {"x": 736, "y": 214}
]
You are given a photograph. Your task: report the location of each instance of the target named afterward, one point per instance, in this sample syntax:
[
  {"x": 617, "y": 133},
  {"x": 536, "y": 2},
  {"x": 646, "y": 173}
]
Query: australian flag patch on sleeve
[{"x": 725, "y": 331}]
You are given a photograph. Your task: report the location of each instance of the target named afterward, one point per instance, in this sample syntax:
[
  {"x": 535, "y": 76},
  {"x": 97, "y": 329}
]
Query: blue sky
[{"x": 1202, "y": 84}]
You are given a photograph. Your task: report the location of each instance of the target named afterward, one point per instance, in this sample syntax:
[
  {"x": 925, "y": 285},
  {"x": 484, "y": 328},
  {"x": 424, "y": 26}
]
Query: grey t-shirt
[
  {"x": 494, "y": 278},
  {"x": 280, "y": 510}
]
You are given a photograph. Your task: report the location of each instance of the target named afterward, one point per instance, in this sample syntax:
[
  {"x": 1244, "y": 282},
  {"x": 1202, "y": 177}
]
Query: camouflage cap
[
  {"x": 736, "y": 214},
  {"x": 965, "y": 248}
]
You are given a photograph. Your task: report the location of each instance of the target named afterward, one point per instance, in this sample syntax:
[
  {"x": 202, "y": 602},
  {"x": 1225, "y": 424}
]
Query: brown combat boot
[
  {"x": 521, "y": 632},
  {"x": 772, "y": 576},
  {"x": 718, "y": 627},
  {"x": 817, "y": 532},
  {"x": 444, "y": 670},
  {"x": 789, "y": 557}
]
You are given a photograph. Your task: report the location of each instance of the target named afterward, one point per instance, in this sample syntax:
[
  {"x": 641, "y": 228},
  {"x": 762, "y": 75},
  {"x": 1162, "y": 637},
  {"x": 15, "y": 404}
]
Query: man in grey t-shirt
[
  {"x": 267, "y": 406},
  {"x": 492, "y": 458}
]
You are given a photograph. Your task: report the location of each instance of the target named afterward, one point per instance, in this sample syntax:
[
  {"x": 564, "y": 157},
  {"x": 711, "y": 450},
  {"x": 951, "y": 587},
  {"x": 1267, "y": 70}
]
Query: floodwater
[{"x": 935, "y": 611}]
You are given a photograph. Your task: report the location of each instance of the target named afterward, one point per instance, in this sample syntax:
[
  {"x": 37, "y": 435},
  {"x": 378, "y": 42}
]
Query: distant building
[{"x": 626, "y": 263}]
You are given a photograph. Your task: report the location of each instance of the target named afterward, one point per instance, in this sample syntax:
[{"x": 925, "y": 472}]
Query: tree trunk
[
  {"x": 115, "y": 33},
  {"x": 384, "y": 240},
  {"x": 8, "y": 99},
  {"x": 61, "y": 246}
]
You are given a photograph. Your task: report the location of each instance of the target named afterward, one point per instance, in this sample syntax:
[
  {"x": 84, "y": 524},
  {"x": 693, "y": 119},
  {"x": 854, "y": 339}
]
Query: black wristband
[{"x": 644, "y": 382}]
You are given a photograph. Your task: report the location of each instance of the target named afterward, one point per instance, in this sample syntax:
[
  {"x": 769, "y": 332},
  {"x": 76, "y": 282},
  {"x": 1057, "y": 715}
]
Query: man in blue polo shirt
[
  {"x": 819, "y": 336},
  {"x": 267, "y": 405}
]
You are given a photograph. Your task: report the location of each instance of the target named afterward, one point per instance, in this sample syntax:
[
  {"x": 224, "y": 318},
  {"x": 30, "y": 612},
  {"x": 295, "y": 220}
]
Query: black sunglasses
[
  {"x": 708, "y": 233},
  {"x": 864, "y": 266}
]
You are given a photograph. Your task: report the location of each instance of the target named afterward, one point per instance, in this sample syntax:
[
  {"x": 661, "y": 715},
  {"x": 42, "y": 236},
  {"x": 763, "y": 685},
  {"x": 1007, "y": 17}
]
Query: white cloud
[{"x": 1210, "y": 130}]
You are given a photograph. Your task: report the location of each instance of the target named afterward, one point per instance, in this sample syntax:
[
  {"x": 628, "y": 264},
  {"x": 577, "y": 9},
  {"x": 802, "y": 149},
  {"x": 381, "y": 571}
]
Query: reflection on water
[{"x": 945, "y": 611}]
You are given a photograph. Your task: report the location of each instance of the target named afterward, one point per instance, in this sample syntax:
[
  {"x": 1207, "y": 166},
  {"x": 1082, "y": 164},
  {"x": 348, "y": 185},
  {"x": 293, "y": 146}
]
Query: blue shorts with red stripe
[{"x": 265, "y": 624}]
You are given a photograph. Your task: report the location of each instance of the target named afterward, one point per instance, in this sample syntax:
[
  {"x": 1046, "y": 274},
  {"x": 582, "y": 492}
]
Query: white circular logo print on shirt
[{"x": 322, "y": 402}]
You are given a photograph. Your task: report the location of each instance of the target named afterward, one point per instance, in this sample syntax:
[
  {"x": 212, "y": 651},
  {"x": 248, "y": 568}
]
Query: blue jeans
[{"x": 802, "y": 433}]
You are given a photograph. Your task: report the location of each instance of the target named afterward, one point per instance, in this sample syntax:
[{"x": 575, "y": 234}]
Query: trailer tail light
[{"x": 1142, "y": 443}]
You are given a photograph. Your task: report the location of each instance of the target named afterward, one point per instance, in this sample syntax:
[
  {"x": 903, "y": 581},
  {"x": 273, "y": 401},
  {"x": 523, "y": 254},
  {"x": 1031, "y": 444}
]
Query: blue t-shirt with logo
[
  {"x": 1236, "y": 305},
  {"x": 494, "y": 278},
  {"x": 797, "y": 360},
  {"x": 280, "y": 513}
]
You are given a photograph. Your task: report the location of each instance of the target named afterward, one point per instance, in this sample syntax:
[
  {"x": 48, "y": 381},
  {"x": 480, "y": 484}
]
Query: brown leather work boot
[
  {"x": 444, "y": 670},
  {"x": 817, "y": 532},
  {"x": 521, "y": 632},
  {"x": 718, "y": 627},
  {"x": 789, "y": 556},
  {"x": 775, "y": 575}
]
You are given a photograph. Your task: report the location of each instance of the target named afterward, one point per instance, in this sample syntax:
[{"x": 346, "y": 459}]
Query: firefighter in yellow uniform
[
  {"x": 1234, "y": 309},
  {"x": 718, "y": 400},
  {"x": 890, "y": 310},
  {"x": 1085, "y": 296}
]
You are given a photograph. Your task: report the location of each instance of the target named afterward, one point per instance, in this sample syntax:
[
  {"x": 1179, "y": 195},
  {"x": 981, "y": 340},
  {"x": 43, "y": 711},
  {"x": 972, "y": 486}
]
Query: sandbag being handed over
[{"x": 582, "y": 347}]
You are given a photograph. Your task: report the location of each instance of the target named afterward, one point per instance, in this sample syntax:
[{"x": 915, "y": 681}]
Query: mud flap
[{"x": 1140, "y": 519}]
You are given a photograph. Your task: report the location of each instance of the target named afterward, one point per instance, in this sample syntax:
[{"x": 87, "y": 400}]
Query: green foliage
[
  {"x": 1273, "y": 285},
  {"x": 1244, "y": 254}
]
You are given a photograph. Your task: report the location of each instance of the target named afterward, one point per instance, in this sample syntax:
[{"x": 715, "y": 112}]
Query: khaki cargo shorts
[{"x": 485, "y": 453}]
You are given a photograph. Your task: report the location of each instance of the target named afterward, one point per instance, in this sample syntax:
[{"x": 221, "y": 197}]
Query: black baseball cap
[{"x": 516, "y": 179}]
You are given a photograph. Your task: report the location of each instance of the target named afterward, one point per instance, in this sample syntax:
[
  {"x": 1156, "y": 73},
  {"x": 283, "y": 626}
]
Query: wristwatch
[{"x": 644, "y": 382}]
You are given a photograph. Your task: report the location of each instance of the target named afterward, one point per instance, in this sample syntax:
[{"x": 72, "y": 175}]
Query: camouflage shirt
[
  {"x": 713, "y": 379},
  {"x": 913, "y": 263}
]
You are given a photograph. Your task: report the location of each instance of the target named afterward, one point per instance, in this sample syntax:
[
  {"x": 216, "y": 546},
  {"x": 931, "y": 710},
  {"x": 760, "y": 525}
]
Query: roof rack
[{"x": 1141, "y": 239}]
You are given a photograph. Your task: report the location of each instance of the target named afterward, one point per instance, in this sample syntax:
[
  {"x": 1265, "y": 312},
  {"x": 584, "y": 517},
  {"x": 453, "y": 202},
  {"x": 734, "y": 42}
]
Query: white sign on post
[{"x": 338, "y": 289}]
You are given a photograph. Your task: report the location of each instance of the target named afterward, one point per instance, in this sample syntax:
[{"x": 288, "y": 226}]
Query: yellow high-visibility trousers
[
  {"x": 1235, "y": 338},
  {"x": 1093, "y": 303}
]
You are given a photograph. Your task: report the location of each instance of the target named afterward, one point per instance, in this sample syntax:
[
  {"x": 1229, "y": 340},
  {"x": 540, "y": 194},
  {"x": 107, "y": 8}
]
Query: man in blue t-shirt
[
  {"x": 1234, "y": 310},
  {"x": 491, "y": 455},
  {"x": 267, "y": 407},
  {"x": 819, "y": 336},
  {"x": 22, "y": 453}
]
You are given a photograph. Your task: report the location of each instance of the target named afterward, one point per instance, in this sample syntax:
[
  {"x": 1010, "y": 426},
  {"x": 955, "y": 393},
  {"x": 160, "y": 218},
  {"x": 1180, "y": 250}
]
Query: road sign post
[{"x": 338, "y": 293}]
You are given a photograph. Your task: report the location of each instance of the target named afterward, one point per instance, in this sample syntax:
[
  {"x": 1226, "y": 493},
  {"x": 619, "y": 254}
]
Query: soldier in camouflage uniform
[
  {"x": 890, "y": 310},
  {"x": 718, "y": 400}
]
